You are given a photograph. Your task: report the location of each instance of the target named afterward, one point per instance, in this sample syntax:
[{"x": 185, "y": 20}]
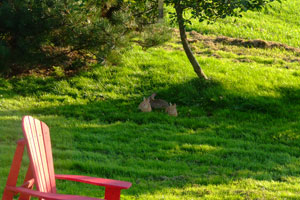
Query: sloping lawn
[{"x": 237, "y": 135}]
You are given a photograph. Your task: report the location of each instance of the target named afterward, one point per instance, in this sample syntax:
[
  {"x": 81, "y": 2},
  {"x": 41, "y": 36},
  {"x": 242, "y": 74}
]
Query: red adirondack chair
[{"x": 41, "y": 172}]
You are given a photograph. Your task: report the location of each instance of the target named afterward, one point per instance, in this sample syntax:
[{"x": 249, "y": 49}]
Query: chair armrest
[
  {"x": 48, "y": 196},
  {"x": 96, "y": 181}
]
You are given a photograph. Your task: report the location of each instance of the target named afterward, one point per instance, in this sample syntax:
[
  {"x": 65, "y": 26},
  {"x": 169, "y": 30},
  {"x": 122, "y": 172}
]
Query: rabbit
[
  {"x": 145, "y": 105},
  {"x": 158, "y": 103},
  {"x": 171, "y": 110}
]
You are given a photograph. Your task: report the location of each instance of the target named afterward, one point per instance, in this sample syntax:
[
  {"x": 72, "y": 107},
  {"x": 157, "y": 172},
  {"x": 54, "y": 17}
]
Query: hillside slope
[
  {"x": 237, "y": 135},
  {"x": 279, "y": 22}
]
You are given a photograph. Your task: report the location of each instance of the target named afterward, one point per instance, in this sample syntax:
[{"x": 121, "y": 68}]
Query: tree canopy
[{"x": 210, "y": 10}]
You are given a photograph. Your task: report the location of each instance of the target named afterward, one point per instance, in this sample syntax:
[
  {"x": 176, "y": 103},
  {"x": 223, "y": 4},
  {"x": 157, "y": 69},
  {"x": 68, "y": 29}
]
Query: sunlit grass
[
  {"x": 280, "y": 22},
  {"x": 236, "y": 136}
]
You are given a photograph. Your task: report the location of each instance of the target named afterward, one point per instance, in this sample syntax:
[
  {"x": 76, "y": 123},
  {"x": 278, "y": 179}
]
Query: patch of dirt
[
  {"x": 292, "y": 60},
  {"x": 210, "y": 41},
  {"x": 210, "y": 45},
  {"x": 246, "y": 60}
]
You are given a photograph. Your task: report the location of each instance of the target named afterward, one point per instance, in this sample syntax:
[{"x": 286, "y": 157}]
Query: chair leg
[
  {"x": 28, "y": 177},
  {"x": 112, "y": 194},
  {"x": 7, "y": 195},
  {"x": 14, "y": 170}
]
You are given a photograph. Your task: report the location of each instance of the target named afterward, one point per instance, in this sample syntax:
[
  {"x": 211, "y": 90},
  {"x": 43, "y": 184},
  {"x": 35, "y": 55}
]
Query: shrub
[{"x": 54, "y": 33}]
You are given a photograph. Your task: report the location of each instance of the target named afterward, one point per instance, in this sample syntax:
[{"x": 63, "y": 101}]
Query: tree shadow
[
  {"x": 219, "y": 137},
  {"x": 154, "y": 156}
]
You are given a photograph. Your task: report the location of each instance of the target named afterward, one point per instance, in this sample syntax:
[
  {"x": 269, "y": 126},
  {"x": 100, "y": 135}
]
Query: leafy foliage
[
  {"x": 208, "y": 10},
  {"x": 154, "y": 35},
  {"x": 43, "y": 29}
]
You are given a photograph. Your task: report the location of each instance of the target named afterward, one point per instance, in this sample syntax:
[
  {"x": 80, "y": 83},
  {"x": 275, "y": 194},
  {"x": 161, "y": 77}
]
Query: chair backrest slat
[
  {"x": 47, "y": 142},
  {"x": 37, "y": 138},
  {"x": 43, "y": 159}
]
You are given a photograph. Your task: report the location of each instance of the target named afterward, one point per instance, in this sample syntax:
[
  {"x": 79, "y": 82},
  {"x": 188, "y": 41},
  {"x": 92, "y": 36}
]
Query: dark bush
[{"x": 56, "y": 33}]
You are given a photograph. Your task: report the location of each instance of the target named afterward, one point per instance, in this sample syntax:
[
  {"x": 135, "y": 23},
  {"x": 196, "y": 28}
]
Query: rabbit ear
[
  {"x": 170, "y": 104},
  {"x": 174, "y": 105},
  {"x": 144, "y": 98},
  {"x": 153, "y": 95}
]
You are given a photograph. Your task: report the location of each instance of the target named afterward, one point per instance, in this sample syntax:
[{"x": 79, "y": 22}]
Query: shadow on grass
[
  {"x": 218, "y": 137},
  {"x": 195, "y": 99},
  {"x": 154, "y": 156}
]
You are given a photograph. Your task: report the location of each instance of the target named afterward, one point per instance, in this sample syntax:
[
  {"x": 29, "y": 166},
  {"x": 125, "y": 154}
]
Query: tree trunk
[
  {"x": 160, "y": 10},
  {"x": 185, "y": 44}
]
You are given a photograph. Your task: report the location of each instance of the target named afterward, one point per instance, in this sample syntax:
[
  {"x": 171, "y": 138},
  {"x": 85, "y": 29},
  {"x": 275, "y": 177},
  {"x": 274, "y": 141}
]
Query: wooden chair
[{"x": 41, "y": 172}]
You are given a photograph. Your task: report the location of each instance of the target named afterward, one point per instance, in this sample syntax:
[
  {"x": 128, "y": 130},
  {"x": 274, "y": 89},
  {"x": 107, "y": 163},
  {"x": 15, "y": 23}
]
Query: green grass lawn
[
  {"x": 237, "y": 135},
  {"x": 280, "y": 23}
]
